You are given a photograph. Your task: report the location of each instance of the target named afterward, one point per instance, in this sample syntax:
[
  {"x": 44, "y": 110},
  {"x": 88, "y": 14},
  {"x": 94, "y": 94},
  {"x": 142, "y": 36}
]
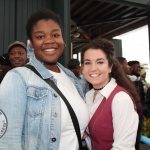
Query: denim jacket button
[
  {"x": 53, "y": 139},
  {"x": 55, "y": 114},
  {"x": 55, "y": 95},
  {"x": 36, "y": 94}
]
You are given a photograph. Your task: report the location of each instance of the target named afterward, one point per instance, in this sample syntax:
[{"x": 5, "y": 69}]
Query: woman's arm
[
  {"x": 13, "y": 101},
  {"x": 125, "y": 122}
]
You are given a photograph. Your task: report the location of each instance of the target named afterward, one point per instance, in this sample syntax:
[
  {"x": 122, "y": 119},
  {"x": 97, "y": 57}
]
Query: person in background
[
  {"x": 74, "y": 66},
  {"x": 34, "y": 114},
  {"x": 17, "y": 52},
  {"x": 133, "y": 78},
  {"x": 146, "y": 85},
  {"x": 112, "y": 101},
  {"x": 124, "y": 65},
  {"x": 5, "y": 66},
  {"x": 135, "y": 71},
  {"x": 145, "y": 130},
  {"x": 17, "y": 55},
  {"x": 4, "y": 63}
]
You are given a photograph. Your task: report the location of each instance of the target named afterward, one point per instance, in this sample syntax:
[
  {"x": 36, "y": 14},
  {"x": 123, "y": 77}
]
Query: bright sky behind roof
[{"x": 135, "y": 46}]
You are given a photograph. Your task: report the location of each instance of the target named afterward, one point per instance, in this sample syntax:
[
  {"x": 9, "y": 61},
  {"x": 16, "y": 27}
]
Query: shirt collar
[{"x": 106, "y": 91}]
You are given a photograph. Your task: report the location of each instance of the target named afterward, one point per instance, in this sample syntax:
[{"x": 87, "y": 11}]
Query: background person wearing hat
[
  {"x": 17, "y": 52},
  {"x": 17, "y": 55},
  {"x": 74, "y": 66}
]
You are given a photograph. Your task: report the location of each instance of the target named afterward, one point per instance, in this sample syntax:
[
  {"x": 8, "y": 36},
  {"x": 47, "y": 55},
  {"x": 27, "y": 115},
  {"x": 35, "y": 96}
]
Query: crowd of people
[
  {"x": 107, "y": 94},
  {"x": 137, "y": 74}
]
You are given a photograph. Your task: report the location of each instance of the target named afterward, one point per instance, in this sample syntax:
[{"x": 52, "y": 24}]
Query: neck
[
  {"x": 101, "y": 87},
  {"x": 52, "y": 66},
  {"x": 50, "y": 63}
]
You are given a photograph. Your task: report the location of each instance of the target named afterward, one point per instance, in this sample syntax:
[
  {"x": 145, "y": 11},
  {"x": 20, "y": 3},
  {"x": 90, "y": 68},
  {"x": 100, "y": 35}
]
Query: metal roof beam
[
  {"x": 127, "y": 3},
  {"x": 122, "y": 27},
  {"x": 111, "y": 21}
]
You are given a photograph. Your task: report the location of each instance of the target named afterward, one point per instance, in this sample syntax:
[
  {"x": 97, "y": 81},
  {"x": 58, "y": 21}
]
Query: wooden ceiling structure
[{"x": 91, "y": 19}]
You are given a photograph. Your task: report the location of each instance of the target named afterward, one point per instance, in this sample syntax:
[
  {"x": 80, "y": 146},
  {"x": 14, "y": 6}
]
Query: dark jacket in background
[{"x": 2, "y": 75}]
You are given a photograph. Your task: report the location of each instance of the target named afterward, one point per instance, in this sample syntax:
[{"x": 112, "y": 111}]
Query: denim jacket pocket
[{"x": 36, "y": 101}]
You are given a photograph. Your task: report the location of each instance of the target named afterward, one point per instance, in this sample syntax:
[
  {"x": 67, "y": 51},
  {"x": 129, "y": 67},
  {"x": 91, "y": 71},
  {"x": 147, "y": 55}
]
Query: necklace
[
  {"x": 102, "y": 87},
  {"x": 98, "y": 89}
]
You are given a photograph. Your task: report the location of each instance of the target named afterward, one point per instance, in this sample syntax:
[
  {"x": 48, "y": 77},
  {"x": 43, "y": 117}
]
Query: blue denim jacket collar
[{"x": 45, "y": 73}]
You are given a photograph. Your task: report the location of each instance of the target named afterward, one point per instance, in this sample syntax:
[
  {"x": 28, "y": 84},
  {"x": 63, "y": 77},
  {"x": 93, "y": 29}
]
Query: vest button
[
  {"x": 53, "y": 139},
  {"x": 55, "y": 95}
]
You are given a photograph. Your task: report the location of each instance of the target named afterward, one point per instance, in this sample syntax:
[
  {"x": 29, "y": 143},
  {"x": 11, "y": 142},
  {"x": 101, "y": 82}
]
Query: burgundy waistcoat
[{"x": 101, "y": 126}]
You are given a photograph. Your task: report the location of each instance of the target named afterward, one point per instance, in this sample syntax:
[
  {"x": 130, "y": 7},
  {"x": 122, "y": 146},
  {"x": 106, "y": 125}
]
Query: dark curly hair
[
  {"x": 117, "y": 72},
  {"x": 45, "y": 14}
]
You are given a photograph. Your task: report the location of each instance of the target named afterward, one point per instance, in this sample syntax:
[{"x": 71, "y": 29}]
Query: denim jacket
[{"x": 32, "y": 109}]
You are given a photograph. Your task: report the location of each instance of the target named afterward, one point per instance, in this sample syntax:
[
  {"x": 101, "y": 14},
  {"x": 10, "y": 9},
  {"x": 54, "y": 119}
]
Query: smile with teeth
[
  {"x": 50, "y": 50},
  {"x": 95, "y": 75},
  {"x": 16, "y": 61}
]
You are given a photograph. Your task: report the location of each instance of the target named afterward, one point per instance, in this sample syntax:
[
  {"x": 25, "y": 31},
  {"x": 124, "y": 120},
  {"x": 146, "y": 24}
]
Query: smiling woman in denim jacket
[{"x": 32, "y": 114}]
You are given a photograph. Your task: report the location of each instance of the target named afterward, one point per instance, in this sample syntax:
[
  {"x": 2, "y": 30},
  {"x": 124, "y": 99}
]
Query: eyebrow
[
  {"x": 96, "y": 59},
  {"x": 43, "y": 31}
]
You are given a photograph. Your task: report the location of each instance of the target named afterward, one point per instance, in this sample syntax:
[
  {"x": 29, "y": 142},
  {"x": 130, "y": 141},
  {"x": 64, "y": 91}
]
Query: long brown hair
[{"x": 117, "y": 72}]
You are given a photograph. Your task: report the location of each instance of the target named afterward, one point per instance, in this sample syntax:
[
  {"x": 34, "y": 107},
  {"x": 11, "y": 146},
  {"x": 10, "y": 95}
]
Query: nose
[
  {"x": 49, "y": 40},
  {"x": 16, "y": 55},
  {"x": 93, "y": 66}
]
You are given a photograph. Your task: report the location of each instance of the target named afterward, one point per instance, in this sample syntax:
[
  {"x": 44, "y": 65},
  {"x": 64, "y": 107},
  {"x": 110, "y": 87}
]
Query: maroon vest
[{"x": 101, "y": 126}]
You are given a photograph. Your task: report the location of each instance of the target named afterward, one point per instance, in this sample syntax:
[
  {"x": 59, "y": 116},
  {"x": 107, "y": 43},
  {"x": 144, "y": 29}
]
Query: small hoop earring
[{"x": 64, "y": 45}]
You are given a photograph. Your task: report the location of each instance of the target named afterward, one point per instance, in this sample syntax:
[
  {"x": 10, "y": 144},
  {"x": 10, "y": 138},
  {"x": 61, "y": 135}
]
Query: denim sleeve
[
  {"x": 87, "y": 87},
  {"x": 13, "y": 101}
]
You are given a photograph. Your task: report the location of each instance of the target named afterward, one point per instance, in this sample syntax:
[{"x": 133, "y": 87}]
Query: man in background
[
  {"x": 132, "y": 70},
  {"x": 17, "y": 55},
  {"x": 5, "y": 65},
  {"x": 74, "y": 66},
  {"x": 135, "y": 71}
]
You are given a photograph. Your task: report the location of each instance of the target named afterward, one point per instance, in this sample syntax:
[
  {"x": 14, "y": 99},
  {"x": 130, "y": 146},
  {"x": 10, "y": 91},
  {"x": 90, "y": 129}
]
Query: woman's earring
[{"x": 64, "y": 45}]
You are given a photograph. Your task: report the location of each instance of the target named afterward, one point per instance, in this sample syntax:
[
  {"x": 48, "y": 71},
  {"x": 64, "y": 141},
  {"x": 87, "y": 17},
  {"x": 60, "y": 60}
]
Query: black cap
[
  {"x": 73, "y": 62},
  {"x": 4, "y": 59}
]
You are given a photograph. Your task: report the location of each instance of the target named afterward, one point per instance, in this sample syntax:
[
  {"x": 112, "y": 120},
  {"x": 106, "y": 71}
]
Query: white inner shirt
[{"x": 68, "y": 138}]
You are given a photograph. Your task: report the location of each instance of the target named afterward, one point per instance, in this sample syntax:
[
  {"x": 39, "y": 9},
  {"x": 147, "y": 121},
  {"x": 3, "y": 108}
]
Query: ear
[{"x": 110, "y": 69}]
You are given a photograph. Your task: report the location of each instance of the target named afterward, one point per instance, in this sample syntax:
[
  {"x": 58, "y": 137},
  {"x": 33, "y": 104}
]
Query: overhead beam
[
  {"x": 127, "y": 3},
  {"x": 127, "y": 25},
  {"x": 112, "y": 21},
  {"x": 127, "y": 29}
]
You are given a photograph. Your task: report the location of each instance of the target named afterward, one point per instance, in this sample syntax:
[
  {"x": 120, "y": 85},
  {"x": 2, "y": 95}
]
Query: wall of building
[
  {"x": 14, "y": 15},
  {"x": 118, "y": 47}
]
